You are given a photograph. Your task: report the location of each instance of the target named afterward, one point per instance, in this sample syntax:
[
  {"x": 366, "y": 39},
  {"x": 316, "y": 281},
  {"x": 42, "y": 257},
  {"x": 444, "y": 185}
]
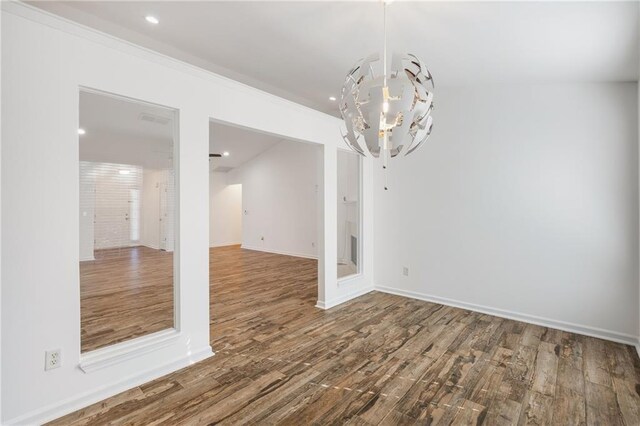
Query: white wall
[
  {"x": 97, "y": 221},
  {"x": 225, "y": 211},
  {"x": 45, "y": 61},
  {"x": 167, "y": 195},
  {"x": 280, "y": 199},
  {"x": 112, "y": 203},
  {"x": 524, "y": 202},
  {"x": 87, "y": 203}
]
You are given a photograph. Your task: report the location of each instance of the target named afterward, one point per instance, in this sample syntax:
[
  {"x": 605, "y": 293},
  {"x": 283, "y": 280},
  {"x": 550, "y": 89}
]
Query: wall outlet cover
[
  {"x": 405, "y": 271},
  {"x": 52, "y": 359}
]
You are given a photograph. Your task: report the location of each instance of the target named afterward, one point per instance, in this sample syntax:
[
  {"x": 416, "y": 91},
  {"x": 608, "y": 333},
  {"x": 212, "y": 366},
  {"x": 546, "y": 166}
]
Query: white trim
[
  {"x": 342, "y": 299},
  {"x": 346, "y": 280},
  {"x": 121, "y": 352},
  {"x": 614, "y": 336},
  {"x": 638, "y": 349},
  {"x": 141, "y": 244},
  {"x": 286, "y": 253},
  {"x": 60, "y": 409},
  {"x": 232, "y": 243}
]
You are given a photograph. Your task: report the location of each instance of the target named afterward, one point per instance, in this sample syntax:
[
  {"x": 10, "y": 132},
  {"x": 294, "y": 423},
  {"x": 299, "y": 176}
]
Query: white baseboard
[
  {"x": 225, "y": 244},
  {"x": 286, "y": 253},
  {"x": 614, "y": 336},
  {"x": 62, "y": 408},
  {"x": 322, "y": 304},
  {"x": 87, "y": 259}
]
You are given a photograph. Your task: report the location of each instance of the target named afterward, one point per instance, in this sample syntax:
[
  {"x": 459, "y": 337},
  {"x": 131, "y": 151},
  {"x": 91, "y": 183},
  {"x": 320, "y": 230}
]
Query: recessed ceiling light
[
  {"x": 225, "y": 154},
  {"x": 332, "y": 98},
  {"x": 124, "y": 172},
  {"x": 81, "y": 131},
  {"x": 152, "y": 19}
]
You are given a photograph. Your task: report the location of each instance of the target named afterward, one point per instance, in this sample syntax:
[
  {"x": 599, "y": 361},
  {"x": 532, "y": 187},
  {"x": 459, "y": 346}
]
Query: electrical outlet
[
  {"x": 405, "y": 271},
  {"x": 52, "y": 359},
  {"x": 261, "y": 238},
  {"x": 313, "y": 244}
]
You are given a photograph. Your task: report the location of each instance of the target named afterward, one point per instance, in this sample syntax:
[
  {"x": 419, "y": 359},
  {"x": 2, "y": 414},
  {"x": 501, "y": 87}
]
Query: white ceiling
[
  {"x": 241, "y": 144},
  {"x": 302, "y": 50},
  {"x": 115, "y": 132}
]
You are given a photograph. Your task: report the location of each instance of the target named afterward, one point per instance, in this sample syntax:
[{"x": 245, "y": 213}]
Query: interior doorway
[{"x": 266, "y": 212}]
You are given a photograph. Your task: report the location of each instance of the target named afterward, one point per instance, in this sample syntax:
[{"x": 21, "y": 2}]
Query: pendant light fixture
[{"x": 387, "y": 110}]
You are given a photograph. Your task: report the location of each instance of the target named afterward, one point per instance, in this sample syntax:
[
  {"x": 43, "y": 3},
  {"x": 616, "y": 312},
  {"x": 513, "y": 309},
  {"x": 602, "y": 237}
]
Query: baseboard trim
[
  {"x": 65, "y": 407},
  {"x": 343, "y": 299},
  {"x": 225, "y": 244},
  {"x": 285, "y": 253},
  {"x": 614, "y": 336}
]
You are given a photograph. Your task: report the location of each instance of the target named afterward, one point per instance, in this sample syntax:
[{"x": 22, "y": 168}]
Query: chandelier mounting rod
[{"x": 384, "y": 48}]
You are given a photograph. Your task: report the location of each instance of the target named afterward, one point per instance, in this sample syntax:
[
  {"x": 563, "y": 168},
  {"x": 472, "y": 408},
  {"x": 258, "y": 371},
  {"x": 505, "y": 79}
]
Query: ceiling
[
  {"x": 302, "y": 50},
  {"x": 118, "y": 131},
  {"x": 241, "y": 144}
]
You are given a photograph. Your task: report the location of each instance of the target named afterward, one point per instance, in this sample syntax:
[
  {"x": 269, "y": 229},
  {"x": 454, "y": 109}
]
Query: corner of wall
[{"x": 328, "y": 304}]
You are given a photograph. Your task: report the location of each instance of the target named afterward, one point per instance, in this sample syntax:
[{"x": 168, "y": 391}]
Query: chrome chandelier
[{"x": 387, "y": 112}]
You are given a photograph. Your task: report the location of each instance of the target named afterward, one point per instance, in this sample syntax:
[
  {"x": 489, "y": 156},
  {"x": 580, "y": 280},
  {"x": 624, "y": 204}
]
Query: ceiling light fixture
[
  {"x": 81, "y": 131},
  {"x": 124, "y": 172},
  {"x": 225, "y": 154},
  {"x": 152, "y": 20},
  {"x": 332, "y": 98},
  {"x": 387, "y": 110}
]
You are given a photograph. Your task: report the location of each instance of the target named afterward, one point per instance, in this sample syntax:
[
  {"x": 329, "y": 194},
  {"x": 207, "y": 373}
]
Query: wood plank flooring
[
  {"x": 125, "y": 293},
  {"x": 377, "y": 360}
]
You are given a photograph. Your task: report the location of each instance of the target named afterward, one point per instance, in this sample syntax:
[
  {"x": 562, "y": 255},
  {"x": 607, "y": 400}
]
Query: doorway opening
[{"x": 266, "y": 212}]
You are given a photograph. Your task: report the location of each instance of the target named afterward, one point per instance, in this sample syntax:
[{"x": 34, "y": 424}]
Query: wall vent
[
  {"x": 223, "y": 169},
  {"x": 152, "y": 118}
]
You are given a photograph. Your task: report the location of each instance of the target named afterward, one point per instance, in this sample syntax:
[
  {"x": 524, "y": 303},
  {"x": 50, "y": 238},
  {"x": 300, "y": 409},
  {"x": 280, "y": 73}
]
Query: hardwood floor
[
  {"x": 379, "y": 359},
  {"x": 125, "y": 293}
]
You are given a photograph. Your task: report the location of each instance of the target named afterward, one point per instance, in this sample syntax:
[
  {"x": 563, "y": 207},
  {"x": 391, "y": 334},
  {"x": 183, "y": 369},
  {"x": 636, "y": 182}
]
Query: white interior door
[{"x": 112, "y": 213}]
